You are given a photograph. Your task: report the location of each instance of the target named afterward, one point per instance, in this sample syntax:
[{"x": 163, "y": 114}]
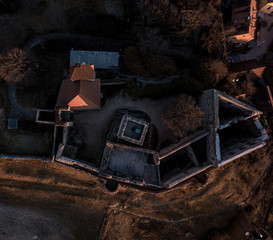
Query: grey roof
[
  {"x": 128, "y": 161},
  {"x": 102, "y": 60}
]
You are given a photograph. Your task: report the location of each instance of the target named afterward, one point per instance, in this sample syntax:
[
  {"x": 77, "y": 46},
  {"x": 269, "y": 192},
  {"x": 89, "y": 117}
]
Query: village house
[
  {"x": 244, "y": 19},
  {"x": 250, "y": 70},
  {"x": 81, "y": 89}
]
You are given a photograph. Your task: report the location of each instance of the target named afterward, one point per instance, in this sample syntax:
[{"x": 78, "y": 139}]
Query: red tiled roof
[
  {"x": 245, "y": 66},
  {"x": 82, "y": 72},
  {"x": 252, "y": 69},
  {"x": 81, "y": 94},
  {"x": 263, "y": 3}
]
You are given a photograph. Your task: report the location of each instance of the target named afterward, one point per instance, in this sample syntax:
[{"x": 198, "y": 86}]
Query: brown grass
[{"x": 79, "y": 199}]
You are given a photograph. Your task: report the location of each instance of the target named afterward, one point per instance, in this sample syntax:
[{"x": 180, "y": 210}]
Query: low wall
[
  {"x": 182, "y": 177},
  {"x": 24, "y": 157},
  {"x": 75, "y": 163}
]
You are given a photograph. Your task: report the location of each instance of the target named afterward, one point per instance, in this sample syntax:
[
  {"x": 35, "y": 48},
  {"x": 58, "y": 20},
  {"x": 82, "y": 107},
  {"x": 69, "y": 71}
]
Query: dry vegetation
[
  {"x": 17, "y": 66},
  {"x": 78, "y": 201},
  {"x": 234, "y": 88},
  {"x": 215, "y": 70},
  {"x": 198, "y": 22},
  {"x": 184, "y": 116}
]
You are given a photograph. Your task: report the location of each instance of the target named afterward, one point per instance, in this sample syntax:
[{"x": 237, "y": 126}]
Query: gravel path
[{"x": 16, "y": 109}]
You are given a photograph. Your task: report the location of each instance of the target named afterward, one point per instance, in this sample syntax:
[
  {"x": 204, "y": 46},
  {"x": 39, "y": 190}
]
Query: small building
[
  {"x": 61, "y": 117},
  {"x": 12, "y": 123},
  {"x": 81, "y": 89},
  {"x": 64, "y": 117},
  {"x": 251, "y": 70},
  {"x": 132, "y": 130},
  {"x": 101, "y": 60},
  {"x": 83, "y": 72},
  {"x": 244, "y": 19},
  {"x": 266, "y": 8}
]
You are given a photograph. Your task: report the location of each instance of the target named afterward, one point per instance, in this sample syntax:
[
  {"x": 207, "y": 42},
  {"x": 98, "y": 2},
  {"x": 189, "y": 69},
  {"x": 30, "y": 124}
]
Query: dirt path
[
  {"x": 16, "y": 109},
  {"x": 79, "y": 200}
]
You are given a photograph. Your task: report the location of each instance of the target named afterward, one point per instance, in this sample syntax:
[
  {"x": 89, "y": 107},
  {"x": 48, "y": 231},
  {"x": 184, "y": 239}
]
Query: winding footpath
[
  {"x": 16, "y": 109},
  {"x": 110, "y": 43}
]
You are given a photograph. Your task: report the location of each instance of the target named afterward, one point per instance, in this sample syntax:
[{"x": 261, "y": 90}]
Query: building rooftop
[
  {"x": 231, "y": 129},
  {"x": 245, "y": 66},
  {"x": 101, "y": 60},
  {"x": 234, "y": 126},
  {"x": 253, "y": 70},
  {"x": 132, "y": 162},
  {"x": 82, "y": 72},
  {"x": 12, "y": 123},
  {"x": 80, "y": 94},
  {"x": 265, "y": 6},
  {"x": 240, "y": 13},
  {"x": 132, "y": 130},
  {"x": 128, "y": 161}
]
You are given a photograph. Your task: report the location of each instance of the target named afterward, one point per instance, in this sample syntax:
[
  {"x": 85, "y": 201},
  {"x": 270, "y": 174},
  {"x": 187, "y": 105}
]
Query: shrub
[
  {"x": 183, "y": 116},
  {"x": 215, "y": 70}
]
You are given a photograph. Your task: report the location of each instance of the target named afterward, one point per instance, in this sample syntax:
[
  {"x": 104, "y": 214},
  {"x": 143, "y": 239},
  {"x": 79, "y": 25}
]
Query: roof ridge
[{"x": 87, "y": 100}]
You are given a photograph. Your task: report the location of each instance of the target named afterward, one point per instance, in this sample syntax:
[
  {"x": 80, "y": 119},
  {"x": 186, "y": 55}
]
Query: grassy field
[{"x": 189, "y": 211}]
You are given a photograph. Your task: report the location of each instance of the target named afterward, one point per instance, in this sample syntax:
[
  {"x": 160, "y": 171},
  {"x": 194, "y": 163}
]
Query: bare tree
[
  {"x": 234, "y": 88},
  {"x": 151, "y": 41},
  {"x": 247, "y": 87},
  {"x": 185, "y": 20},
  {"x": 215, "y": 71},
  {"x": 16, "y": 66},
  {"x": 193, "y": 17},
  {"x": 150, "y": 37},
  {"x": 214, "y": 39},
  {"x": 183, "y": 116}
]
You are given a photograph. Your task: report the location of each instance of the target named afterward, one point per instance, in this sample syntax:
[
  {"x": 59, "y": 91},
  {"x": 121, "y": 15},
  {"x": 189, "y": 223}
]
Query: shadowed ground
[{"x": 18, "y": 223}]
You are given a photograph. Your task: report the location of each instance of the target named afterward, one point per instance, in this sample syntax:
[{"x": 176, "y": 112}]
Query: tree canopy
[
  {"x": 183, "y": 116},
  {"x": 214, "y": 70},
  {"x": 16, "y": 66}
]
